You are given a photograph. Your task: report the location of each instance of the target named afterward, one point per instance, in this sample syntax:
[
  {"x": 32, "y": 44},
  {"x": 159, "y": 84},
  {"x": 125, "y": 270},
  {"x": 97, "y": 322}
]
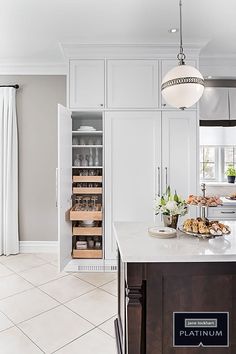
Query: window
[
  {"x": 208, "y": 163},
  {"x": 214, "y": 161}
]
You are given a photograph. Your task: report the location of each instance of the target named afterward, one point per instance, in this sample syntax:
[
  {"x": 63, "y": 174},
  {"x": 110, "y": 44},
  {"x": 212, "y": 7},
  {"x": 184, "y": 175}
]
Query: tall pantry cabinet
[{"x": 144, "y": 146}]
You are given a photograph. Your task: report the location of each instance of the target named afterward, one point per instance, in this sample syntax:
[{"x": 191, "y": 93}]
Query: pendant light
[{"x": 183, "y": 85}]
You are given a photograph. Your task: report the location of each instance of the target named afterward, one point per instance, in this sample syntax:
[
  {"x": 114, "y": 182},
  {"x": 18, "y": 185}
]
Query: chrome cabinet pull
[
  {"x": 227, "y": 212},
  {"x": 166, "y": 169},
  {"x": 159, "y": 181}
]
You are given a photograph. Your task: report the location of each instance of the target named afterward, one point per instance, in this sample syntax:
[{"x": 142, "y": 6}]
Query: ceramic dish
[
  {"x": 85, "y": 128},
  {"x": 162, "y": 232}
]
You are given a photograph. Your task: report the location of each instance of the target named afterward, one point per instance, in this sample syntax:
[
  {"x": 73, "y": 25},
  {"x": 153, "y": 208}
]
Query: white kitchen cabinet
[
  {"x": 146, "y": 152},
  {"x": 132, "y": 84},
  {"x": 222, "y": 213},
  {"x": 167, "y": 65},
  {"x": 64, "y": 188},
  {"x": 80, "y": 192},
  {"x": 214, "y": 103},
  {"x": 179, "y": 151},
  {"x": 232, "y": 103},
  {"x": 132, "y": 161},
  {"x": 86, "y": 84}
]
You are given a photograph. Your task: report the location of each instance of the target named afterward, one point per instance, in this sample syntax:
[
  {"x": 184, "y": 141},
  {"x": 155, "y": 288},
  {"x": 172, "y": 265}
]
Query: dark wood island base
[{"x": 149, "y": 294}]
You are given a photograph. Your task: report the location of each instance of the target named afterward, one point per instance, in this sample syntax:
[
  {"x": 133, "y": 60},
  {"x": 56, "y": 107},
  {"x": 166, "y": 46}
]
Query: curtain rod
[{"x": 15, "y": 86}]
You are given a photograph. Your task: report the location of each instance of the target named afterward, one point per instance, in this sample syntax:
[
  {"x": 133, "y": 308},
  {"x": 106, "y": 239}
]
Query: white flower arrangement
[{"x": 170, "y": 204}]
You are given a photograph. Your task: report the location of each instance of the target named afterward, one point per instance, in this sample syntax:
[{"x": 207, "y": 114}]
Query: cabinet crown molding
[{"x": 126, "y": 51}]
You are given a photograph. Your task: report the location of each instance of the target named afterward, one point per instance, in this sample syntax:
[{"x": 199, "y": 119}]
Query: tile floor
[{"x": 43, "y": 311}]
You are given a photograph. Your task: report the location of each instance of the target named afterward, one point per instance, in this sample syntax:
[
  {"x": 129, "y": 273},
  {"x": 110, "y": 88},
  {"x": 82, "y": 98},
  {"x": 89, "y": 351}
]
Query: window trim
[{"x": 219, "y": 163}]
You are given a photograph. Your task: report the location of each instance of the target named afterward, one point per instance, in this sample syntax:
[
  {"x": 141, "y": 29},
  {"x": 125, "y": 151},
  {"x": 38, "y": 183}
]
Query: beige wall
[{"x": 37, "y": 100}]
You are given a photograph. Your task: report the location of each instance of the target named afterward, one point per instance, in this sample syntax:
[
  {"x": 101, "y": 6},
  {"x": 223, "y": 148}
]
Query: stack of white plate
[
  {"x": 162, "y": 232},
  {"x": 86, "y": 128}
]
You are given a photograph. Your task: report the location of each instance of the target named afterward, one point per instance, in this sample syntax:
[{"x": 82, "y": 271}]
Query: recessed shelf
[
  {"x": 87, "y": 146},
  {"x": 93, "y": 132},
  {"x": 83, "y": 167}
]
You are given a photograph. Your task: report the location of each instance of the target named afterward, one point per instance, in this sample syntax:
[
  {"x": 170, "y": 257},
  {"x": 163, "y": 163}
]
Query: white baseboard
[{"x": 38, "y": 246}]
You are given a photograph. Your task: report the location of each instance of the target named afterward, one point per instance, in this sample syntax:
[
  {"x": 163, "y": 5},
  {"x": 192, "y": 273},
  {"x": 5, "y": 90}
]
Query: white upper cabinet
[
  {"x": 86, "y": 84},
  {"x": 132, "y": 84},
  {"x": 214, "y": 104},
  {"x": 179, "y": 151},
  {"x": 167, "y": 65}
]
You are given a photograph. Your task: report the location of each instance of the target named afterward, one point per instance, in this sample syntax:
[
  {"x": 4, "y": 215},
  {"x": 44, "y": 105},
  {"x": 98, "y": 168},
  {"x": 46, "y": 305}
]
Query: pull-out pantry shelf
[
  {"x": 76, "y": 215},
  {"x": 87, "y": 253},
  {"x": 97, "y": 179},
  {"x": 89, "y": 190},
  {"x": 87, "y": 231}
]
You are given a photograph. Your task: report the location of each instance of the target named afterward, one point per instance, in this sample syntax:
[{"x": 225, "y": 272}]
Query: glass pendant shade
[{"x": 182, "y": 86}]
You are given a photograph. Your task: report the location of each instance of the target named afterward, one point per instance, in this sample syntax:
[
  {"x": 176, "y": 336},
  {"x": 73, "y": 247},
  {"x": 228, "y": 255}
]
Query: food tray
[{"x": 201, "y": 236}]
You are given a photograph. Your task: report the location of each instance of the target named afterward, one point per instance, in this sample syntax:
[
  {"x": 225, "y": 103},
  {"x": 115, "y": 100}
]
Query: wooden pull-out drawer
[{"x": 97, "y": 179}]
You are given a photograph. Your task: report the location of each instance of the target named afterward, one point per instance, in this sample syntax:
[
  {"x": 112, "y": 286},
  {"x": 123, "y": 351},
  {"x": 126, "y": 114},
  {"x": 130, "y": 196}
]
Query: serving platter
[{"x": 201, "y": 236}]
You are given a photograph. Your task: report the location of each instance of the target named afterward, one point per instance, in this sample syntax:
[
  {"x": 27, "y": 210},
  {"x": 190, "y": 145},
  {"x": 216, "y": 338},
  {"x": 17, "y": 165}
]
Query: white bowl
[{"x": 88, "y": 222}]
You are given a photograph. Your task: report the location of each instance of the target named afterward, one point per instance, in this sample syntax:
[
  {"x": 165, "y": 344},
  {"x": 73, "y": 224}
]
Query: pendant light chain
[{"x": 181, "y": 56}]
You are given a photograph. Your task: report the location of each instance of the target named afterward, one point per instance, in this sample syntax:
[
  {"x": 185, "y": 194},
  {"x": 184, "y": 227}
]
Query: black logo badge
[{"x": 196, "y": 329}]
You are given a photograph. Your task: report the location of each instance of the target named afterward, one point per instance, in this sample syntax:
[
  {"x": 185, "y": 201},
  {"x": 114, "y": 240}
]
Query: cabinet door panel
[
  {"x": 214, "y": 103},
  {"x": 167, "y": 65},
  {"x": 232, "y": 100},
  {"x": 180, "y": 151},
  {"x": 132, "y": 84},
  {"x": 64, "y": 178},
  {"x": 86, "y": 84},
  {"x": 132, "y": 154}
]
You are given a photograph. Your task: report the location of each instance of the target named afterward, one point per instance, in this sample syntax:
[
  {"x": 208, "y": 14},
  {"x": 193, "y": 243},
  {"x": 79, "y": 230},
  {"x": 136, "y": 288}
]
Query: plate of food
[
  {"x": 203, "y": 228},
  {"x": 232, "y": 196},
  {"x": 212, "y": 201}
]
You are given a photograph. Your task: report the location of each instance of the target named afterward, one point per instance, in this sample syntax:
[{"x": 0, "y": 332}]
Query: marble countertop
[{"x": 136, "y": 245}]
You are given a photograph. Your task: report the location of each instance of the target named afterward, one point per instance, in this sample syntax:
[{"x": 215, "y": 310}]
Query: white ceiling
[{"x": 30, "y": 30}]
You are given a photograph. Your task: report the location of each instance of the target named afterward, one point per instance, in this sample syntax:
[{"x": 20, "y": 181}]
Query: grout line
[
  {"x": 41, "y": 313},
  {"x": 30, "y": 339},
  {"x": 97, "y": 286},
  {"x": 82, "y": 335}
]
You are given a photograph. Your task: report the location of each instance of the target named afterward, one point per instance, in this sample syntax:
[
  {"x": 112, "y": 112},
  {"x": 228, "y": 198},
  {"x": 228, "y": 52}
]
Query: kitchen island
[{"x": 160, "y": 280}]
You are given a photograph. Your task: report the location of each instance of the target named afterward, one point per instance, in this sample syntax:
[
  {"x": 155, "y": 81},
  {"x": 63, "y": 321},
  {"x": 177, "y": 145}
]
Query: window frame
[{"x": 219, "y": 162}]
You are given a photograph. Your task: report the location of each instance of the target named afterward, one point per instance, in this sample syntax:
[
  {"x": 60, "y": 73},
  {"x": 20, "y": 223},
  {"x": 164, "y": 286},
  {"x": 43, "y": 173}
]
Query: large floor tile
[
  {"x": 66, "y": 288},
  {"x": 5, "y": 259},
  {"x": 12, "y": 285},
  {"x": 25, "y": 305},
  {"x": 49, "y": 257},
  {"x": 13, "y": 341},
  {"x": 42, "y": 274},
  {"x": 4, "y": 271},
  {"x": 25, "y": 261},
  {"x": 4, "y": 323},
  {"x": 96, "y": 306},
  {"x": 109, "y": 327},
  {"x": 111, "y": 287},
  {"x": 93, "y": 342},
  {"x": 55, "y": 328},
  {"x": 97, "y": 279}
]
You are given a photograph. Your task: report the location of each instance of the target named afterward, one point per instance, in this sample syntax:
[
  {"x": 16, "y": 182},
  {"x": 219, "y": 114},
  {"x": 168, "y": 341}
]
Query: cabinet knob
[
  {"x": 163, "y": 104},
  {"x": 101, "y": 104}
]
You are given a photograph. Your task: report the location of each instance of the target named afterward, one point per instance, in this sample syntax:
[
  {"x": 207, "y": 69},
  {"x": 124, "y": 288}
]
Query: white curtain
[{"x": 9, "y": 235}]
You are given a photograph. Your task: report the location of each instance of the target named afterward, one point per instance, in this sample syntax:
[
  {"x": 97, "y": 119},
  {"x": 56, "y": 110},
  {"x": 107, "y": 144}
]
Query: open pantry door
[{"x": 64, "y": 185}]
